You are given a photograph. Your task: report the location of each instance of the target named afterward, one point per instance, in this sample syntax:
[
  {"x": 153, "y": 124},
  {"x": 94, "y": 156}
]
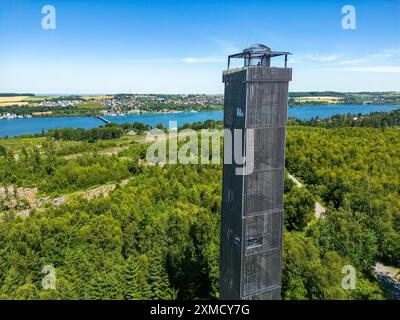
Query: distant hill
[
  {"x": 333, "y": 97},
  {"x": 338, "y": 94},
  {"x": 16, "y": 94},
  {"x": 373, "y": 120},
  {"x": 316, "y": 94}
]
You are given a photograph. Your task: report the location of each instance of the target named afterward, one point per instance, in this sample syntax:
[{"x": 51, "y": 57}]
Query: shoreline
[
  {"x": 35, "y": 125},
  {"x": 367, "y": 105},
  {"x": 107, "y": 115},
  {"x": 18, "y": 117}
]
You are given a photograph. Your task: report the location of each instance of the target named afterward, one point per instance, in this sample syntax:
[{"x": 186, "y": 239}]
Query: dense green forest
[
  {"x": 355, "y": 171},
  {"x": 155, "y": 234},
  {"x": 79, "y": 134}
]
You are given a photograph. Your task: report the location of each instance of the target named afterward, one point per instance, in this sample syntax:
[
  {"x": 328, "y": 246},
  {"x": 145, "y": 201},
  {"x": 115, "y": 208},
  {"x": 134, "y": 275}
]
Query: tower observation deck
[{"x": 256, "y": 99}]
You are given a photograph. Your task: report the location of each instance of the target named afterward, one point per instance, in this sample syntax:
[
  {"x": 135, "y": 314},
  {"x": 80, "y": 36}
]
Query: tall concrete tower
[{"x": 256, "y": 100}]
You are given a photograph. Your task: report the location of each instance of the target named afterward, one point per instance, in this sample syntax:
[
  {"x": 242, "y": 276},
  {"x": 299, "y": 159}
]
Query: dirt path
[
  {"x": 296, "y": 182},
  {"x": 319, "y": 209},
  {"x": 105, "y": 152}
]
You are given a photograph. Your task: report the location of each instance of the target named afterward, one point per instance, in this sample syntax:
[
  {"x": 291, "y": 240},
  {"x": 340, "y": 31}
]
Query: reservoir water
[{"x": 15, "y": 127}]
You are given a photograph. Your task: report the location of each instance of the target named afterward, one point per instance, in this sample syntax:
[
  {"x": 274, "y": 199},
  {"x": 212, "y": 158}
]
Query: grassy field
[
  {"x": 44, "y": 113},
  {"x": 38, "y": 98},
  {"x": 97, "y": 97},
  {"x": 69, "y": 147},
  {"x": 89, "y": 106},
  {"x": 16, "y": 144},
  {"x": 322, "y": 99}
]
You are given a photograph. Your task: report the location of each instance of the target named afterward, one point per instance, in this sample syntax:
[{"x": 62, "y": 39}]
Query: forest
[
  {"x": 79, "y": 134},
  {"x": 155, "y": 233}
]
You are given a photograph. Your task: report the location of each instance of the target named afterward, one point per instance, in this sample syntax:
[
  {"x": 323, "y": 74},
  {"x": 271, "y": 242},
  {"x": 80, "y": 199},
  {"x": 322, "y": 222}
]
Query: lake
[{"x": 15, "y": 127}]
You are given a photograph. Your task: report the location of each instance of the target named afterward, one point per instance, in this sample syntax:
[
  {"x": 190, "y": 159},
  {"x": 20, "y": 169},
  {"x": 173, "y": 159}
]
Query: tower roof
[{"x": 260, "y": 53}]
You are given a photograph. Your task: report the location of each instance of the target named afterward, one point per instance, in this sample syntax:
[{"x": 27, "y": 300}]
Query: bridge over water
[{"x": 103, "y": 119}]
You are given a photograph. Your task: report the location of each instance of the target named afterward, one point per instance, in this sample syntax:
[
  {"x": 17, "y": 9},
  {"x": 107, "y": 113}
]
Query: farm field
[
  {"x": 322, "y": 99},
  {"x": 11, "y": 101},
  {"x": 97, "y": 97}
]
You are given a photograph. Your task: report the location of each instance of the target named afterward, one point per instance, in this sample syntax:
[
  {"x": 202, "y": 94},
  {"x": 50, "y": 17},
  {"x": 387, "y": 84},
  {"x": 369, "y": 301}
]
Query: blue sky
[{"x": 166, "y": 46}]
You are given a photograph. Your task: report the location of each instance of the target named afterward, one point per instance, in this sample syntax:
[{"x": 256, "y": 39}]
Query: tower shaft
[{"x": 256, "y": 99}]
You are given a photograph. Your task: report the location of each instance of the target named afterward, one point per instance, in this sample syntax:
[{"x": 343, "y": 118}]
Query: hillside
[{"x": 155, "y": 232}]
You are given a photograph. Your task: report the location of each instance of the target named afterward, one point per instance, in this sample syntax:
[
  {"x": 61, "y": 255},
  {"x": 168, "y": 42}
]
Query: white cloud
[
  {"x": 227, "y": 47},
  {"x": 313, "y": 58},
  {"x": 321, "y": 58},
  {"x": 388, "y": 54},
  {"x": 380, "y": 69},
  {"x": 376, "y": 62},
  {"x": 357, "y": 61},
  {"x": 203, "y": 60}
]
